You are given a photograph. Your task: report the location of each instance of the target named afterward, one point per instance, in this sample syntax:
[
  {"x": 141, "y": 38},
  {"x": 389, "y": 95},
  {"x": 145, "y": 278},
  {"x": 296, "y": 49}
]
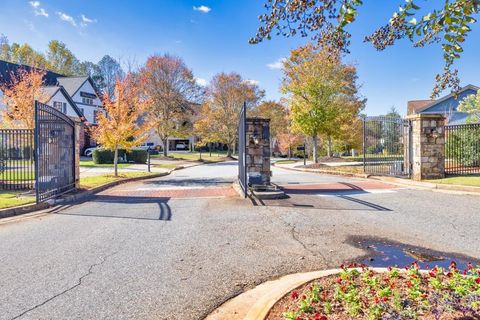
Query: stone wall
[
  {"x": 258, "y": 150},
  {"x": 428, "y": 146}
]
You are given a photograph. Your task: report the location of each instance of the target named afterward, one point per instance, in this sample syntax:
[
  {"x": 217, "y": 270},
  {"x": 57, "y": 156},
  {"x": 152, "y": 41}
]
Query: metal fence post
[{"x": 36, "y": 154}]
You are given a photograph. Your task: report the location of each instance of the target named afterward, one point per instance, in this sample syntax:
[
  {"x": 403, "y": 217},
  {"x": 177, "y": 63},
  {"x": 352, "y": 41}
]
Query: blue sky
[{"x": 212, "y": 36}]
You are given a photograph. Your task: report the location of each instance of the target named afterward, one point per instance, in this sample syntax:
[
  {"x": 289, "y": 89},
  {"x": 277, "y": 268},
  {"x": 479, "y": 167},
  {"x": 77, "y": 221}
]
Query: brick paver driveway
[{"x": 177, "y": 247}]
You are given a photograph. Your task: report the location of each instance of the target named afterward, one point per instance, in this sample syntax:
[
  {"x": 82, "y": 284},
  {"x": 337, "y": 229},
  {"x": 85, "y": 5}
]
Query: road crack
[{"x": 79, "y": 283}]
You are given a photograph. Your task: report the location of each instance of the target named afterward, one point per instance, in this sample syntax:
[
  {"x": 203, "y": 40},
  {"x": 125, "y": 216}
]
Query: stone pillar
[
  {"x": 78, "y": 132},
  {"x": 258, "y": 151},
  {"x": 428, "y": 146}
]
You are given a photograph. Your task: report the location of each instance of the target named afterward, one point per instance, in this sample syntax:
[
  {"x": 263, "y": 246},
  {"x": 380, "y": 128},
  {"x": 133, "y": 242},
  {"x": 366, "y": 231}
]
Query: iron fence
[
  {"x": 385, "y": 146},
  {"x": 242, "y": 150},
  {"x": 17, "y": 165},
  {"x": 462, "y": 149}
]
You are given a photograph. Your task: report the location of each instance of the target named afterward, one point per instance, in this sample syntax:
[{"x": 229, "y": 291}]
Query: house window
[
  {"x": 64, "y": 108},
  {"x": 82, "y": 110},
  {"x": 88, "y": 101},
  {"x": 58, "y": 105}
]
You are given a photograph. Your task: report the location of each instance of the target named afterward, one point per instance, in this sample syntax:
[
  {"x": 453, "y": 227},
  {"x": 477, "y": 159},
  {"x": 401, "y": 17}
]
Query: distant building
[
  {"x": 77, "y": 97},
  {"x": 448, "y": 105}
]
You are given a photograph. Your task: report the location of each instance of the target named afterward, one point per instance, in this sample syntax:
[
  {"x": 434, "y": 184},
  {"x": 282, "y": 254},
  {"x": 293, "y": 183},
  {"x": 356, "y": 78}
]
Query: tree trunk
[
  {"x": 229, "y": 150},
  {"x": 115, "y": 161},
  {"x": 289, "y": 152},
  {"x": 165, "y": 147},
  {"x": 315, "y": 148},
  {"x": 329, "y": 146},
  {"x": 210, "y": 148}
]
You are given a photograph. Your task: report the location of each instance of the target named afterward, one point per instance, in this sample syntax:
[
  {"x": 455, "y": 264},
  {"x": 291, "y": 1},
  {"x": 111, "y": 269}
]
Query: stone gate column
[
  {"x": 428, "y": 146},
  {"x": 258, "y": 151}
]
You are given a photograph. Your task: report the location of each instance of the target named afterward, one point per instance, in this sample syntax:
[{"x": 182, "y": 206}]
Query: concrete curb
[
  {"x": 396, "y": 181},
  {"x": 79, "y": 196},
  {"x": 255, "y": 304}
]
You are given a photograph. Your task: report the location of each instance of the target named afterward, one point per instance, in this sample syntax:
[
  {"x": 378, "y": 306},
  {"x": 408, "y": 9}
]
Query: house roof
[
  {"x": 72, "y": 84},
  {"x": 415, "y": 105},
  {"x": 7, "y": 68},
  {"x": 435, "y": 102}
]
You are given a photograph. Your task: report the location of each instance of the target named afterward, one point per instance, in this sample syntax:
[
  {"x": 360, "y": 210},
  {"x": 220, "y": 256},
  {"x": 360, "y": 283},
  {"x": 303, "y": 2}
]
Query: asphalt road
[{"x": 177, "y": 247}]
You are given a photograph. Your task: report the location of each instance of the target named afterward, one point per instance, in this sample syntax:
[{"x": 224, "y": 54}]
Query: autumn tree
[
  {"x": 225, "y": 96},
  {"x": 277, "y": 113},
  {"x": 171, "y": 91},
  {"x": 445, "y": 22},
  {"x": 26, "y": 55},
  {"x": 19, "y": 97},
  {"x": 120, "y": 127},
  {"x": 323, "y": 94}
]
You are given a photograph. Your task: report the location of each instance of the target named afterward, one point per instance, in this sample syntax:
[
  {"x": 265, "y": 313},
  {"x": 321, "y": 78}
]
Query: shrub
[
  {"x": 137, "y": 156},
  {"x": 104, "y": 156}
]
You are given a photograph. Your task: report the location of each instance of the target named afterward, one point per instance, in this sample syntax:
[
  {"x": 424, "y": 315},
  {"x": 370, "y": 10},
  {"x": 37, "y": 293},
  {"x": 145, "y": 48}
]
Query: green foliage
[
  {"x": 462, "y": 146},
  {"x": 104, "y": 156},
  {"x": 471, "y": 105}
]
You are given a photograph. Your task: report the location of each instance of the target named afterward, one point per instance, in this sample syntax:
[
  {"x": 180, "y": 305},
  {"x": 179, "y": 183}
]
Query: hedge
[{"x": 103, "y": 156}]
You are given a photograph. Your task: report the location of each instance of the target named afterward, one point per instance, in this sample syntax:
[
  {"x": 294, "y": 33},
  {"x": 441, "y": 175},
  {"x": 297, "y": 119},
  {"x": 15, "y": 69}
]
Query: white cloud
[
  {"x": 65, "y": 17},
  {"x": 203, "y": 9},
  {"x": 86, "y": 21},
  {"x": 201, "y": 81},
  {"x": 38, "y": 10},
  {"x": 30, "y": 25},
  {"x": 252, "y": 82},
  {"x": 277, "y": 64}
]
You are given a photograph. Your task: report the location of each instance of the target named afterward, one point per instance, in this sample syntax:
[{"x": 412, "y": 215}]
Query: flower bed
[{"x": 361, "y": 293}]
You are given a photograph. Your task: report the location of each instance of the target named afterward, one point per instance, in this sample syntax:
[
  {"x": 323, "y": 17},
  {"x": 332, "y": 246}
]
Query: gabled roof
[
  {"x": 435, "y": 102},
  {"x": 415, "y": 105},
  {"x": 7, "y": 68},
  {"x": 51, "y": 91},
  {"x": 72, "y": 84}
]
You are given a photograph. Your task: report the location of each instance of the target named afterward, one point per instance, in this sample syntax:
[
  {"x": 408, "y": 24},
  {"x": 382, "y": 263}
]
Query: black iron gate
[
  {"x": 386, "y": 146},
  {"x": 54, "y": 152},
  {"x": 462, "y": 149},
  {"x": 242, "y": 150}
]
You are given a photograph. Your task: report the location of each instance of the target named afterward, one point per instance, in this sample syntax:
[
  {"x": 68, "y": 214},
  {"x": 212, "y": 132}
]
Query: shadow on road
[
  {"x": 164, "y": 211},
  {"x": 179, "y": 181}
]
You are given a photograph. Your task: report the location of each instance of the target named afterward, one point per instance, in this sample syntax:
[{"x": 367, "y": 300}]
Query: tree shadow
[{"x": 164, "y": 210}]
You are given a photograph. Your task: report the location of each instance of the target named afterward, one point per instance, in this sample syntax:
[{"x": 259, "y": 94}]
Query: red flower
[
  {"x": 342, "y": 266},
  {"x": 432, "y": 274},
  {"x": 377, "y": 300},
  {"x": 294, "y": 295},
  {"x": 298, "y": 318},
  {"x": 385, "y": 299},
  {"x": 409, "y": 284},
  {"x": 477, "y": 280},
  {"x": 319, "y": 316},
  {"x": 449, "y": 274},
  {"x": 339, "y": 280}
]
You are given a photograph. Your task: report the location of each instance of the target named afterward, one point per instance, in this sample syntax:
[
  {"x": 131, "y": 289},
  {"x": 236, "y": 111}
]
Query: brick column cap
[{"x": 426, "y": 116}]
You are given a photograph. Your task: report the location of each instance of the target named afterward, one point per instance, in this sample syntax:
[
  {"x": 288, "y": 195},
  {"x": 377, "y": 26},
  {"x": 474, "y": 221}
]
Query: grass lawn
[
  {"x": 286, "y": 161},
  {"x": 473, "y": 181},
  {"x": 89, "y": 163},
  {"x": 96, "y": 181},
  {"x": 14, "y": 175},
  {"x": 14, "y": 198},
  {"x": 195, "y": 156}
]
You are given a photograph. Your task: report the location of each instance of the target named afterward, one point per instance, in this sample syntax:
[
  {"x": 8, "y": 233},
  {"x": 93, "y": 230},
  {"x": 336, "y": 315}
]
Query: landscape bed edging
[{"x": 255, "y": 304}]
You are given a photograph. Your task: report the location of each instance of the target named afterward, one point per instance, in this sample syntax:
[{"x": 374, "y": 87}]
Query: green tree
[
  {"x": 24, "y": 54},
  {"x": 323, "y": 94},
  {"x": 5, "y": 53},
  {"x": 110, "y": 72},
  {"x": 93, "y": 71},
  {"x": 446, "y": 22},
  {"x": 471, "y": 105},
  {"x": 277, "y": 113},
  {"x": 60, "y": 59}
]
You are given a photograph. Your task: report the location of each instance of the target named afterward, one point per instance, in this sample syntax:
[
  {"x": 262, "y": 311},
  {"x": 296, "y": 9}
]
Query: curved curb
[{"x": 256, "y": 303}]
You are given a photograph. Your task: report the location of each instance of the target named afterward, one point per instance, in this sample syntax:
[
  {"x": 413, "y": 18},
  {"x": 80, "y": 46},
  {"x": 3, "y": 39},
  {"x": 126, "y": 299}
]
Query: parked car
[
  {"x": 146, "y": 146},
  {"x": 181, "y": 146},
  {"x": 89, "y": 151}
]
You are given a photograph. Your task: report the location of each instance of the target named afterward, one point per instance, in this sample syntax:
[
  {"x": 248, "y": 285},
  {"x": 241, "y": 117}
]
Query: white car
[
  {"x": 89, "y": 151},
  {"x": 181, "y": 146},
  {"x": 147, "y": 146}
]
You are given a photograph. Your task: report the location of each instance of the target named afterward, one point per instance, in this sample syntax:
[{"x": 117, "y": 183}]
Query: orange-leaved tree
[
  {"x": 19, "y": 96},
  {"x": 122, "y": 126}
]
